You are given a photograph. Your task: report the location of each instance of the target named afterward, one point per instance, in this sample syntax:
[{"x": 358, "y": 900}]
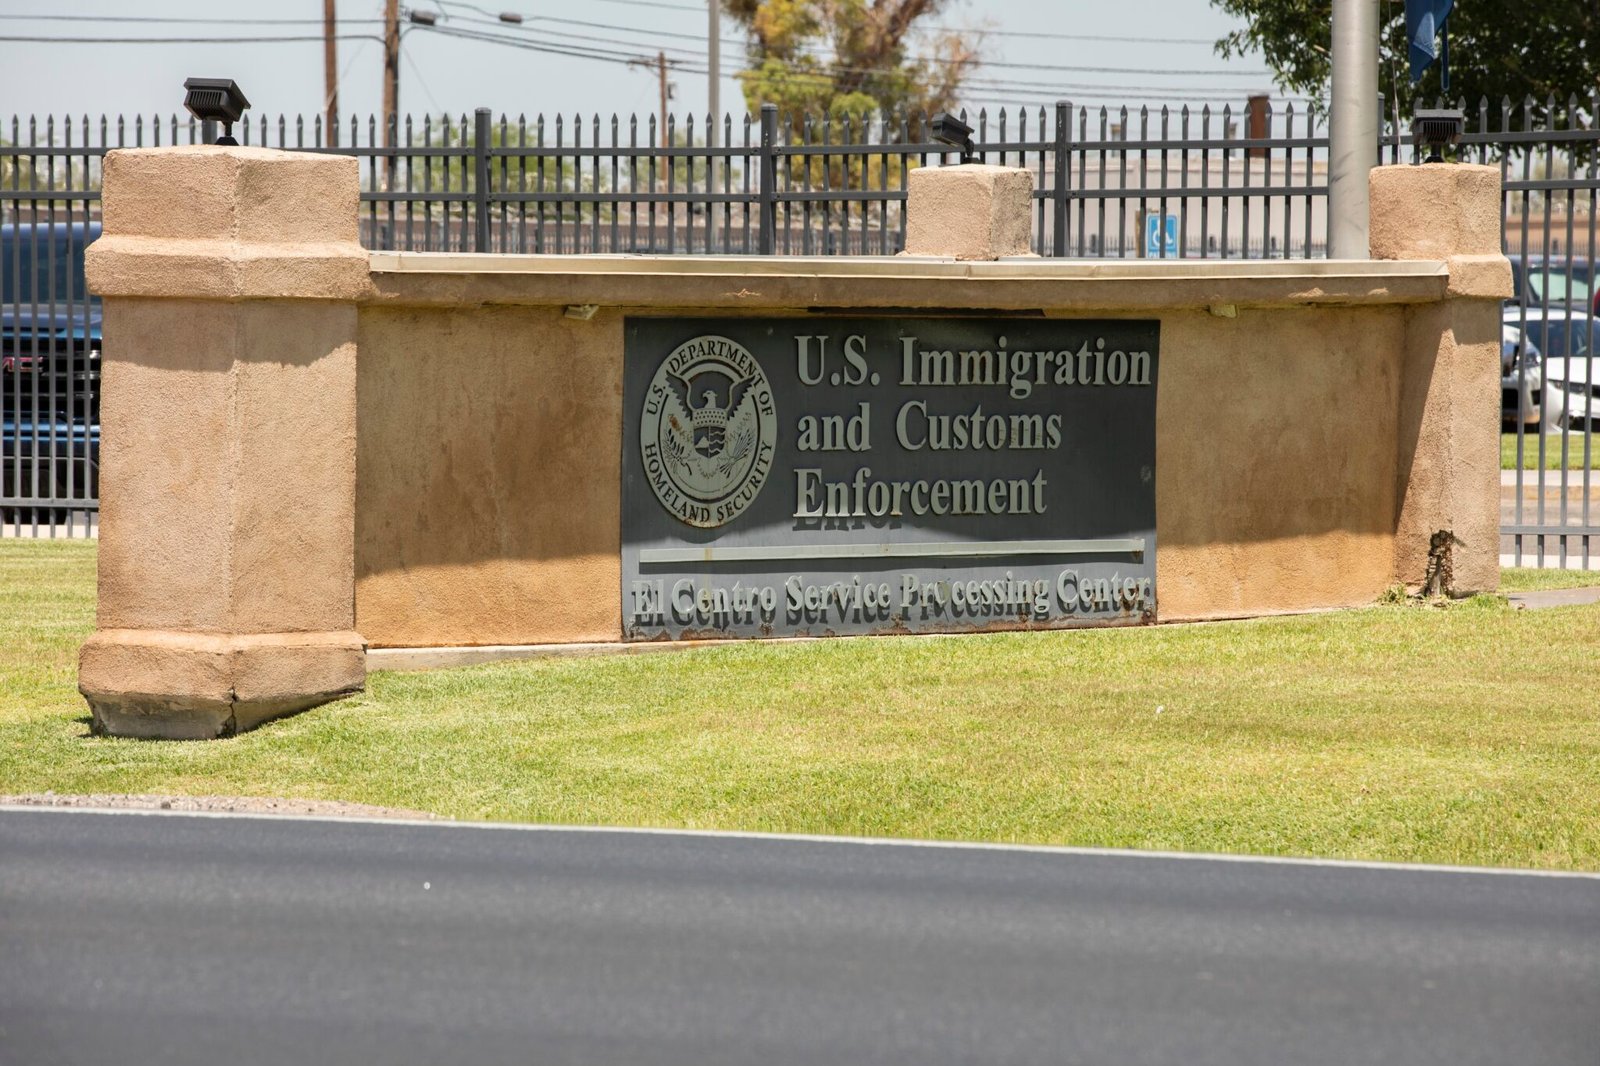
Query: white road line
[{"x": 811, "y": 838}]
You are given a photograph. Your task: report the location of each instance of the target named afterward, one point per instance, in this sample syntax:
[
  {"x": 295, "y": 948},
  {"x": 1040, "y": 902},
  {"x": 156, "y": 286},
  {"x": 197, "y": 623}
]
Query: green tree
[
  {"x": 849, "y": 57},
  {"x": 1537, "y": 48}
]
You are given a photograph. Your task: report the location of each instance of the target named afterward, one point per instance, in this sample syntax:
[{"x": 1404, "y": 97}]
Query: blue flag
[{"x": 1424, "y": 24}]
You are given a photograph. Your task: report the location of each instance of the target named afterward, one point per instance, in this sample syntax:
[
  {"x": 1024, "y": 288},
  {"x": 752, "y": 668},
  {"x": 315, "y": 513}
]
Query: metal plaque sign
[{"x": 818, "y": 476}]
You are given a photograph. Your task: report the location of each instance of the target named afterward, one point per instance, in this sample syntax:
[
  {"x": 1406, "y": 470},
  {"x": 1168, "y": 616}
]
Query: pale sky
[{"x": 1163, "y": 54}]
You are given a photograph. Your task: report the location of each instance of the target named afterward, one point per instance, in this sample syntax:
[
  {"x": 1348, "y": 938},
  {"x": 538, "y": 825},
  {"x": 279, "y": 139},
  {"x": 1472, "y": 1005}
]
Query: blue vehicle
[{"x": 49, "y": 372}]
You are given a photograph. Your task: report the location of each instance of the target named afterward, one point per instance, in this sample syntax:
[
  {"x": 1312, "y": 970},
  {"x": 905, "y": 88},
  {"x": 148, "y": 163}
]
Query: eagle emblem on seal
[
  {"x": 708, "y": 439},
  {"x": 709, "y": 430}
]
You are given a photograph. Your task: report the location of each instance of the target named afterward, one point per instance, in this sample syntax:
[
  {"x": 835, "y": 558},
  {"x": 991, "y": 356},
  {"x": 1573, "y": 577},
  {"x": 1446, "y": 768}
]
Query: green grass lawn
[
  {"x": 1468, "y": 734},
  {"x": 1552, "y": 451},
  {"x": 1531, "y": 579}
]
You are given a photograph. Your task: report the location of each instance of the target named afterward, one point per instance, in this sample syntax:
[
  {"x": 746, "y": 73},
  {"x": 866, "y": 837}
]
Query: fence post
[
  {"x": 768, "y": 193},
  {"x": 1058, "y": 193},
  {"x": 480, "y": 166}
]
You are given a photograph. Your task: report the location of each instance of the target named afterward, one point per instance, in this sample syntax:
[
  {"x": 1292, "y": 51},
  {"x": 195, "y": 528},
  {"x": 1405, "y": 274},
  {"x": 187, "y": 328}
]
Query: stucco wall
[
  {"x": 488, "y": 482},
  {"x": 1276, "y": 438},
  {"x": 215, "y": 574},
  {"x": 487, "y": 488}
]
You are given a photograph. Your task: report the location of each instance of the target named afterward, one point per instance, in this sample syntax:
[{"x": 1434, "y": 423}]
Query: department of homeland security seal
[{"x": 708, "y": 431}]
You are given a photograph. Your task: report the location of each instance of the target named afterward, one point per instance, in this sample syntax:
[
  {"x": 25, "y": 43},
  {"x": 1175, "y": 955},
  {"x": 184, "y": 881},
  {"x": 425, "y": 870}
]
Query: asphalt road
[{"x": 136, "y": 938}]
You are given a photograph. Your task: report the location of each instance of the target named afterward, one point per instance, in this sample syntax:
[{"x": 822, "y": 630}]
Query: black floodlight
[
  {"x": 422, "y": 18},
  {"x": 1436, "y": 129},
  {"x": 215, "y": 100},
  {"x": 947, "y": 129}
]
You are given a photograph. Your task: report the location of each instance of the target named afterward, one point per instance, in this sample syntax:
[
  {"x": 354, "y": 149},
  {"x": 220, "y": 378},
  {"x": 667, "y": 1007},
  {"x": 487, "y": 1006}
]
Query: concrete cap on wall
[
  {"x": 1448, "y": 211},
  {"x": 209, "y": 192},
  {"x": 1434, "y": 211},
  {"x": 971, "y": 211},
  {"x": 214, "y": 222}
]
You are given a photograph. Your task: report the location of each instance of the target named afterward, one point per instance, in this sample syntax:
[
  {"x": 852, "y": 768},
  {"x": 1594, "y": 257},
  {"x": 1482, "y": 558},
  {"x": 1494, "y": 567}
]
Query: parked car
[
  {"x": 54, "y": 458},
  {"x": 49, "y": 369},
  {"x": 1521, "y": 376},
  {"x": 1570, "y": 343},
  {"x": 1560, "y": 282}
]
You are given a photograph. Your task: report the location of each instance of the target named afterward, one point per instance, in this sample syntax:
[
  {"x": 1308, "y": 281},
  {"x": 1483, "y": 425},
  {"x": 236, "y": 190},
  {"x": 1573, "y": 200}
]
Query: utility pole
[
  {"x": 666, "y": 91},
  {"x": 330, "y": 71},
  {"x": 391, "y": 68},
  {"x": 660, "y": 64},
  {"x": 391, "y": 84},
  {"x": 1352, "y": 125},
  {"x": 714, "y": 102},
  {"x": 713, "y": 68}
]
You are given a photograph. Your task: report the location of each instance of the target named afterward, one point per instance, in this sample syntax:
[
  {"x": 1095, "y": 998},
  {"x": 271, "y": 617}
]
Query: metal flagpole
[{"x": 1352, "y": 125}]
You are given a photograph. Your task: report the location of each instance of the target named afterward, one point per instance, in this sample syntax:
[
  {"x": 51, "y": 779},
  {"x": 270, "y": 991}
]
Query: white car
[
  {"x": 1570, "y": 342},
  {"x": 1521, "y": 376}
]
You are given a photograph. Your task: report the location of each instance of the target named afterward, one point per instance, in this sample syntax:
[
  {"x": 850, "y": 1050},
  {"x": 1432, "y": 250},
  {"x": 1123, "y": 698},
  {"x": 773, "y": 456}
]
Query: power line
[
  {"x": 1048, "y": 87},
  {"x": 577, "y": 51},
  {"x": 195, "y": 21},
  {"x": 1134, "y": 70},
  {"x": 224, "y": 21},
  {"x": 693, "y": 53},
  {"x": 185, "y": 40},
  {"x": 1181, "y": 101},
  {"x": 743, "y": 42},
  {"x": 693, "y": 67},
  {"x": 697, "y": 9},
  {"x": 967, "y": 30},
  {"x": 417, "y": 70},
  {"x": 1074, "y": 36},
  {"x": 588, "y": 25},
  {"x": 992, "y": 64},
  {"x": 1030, "y": 90}
]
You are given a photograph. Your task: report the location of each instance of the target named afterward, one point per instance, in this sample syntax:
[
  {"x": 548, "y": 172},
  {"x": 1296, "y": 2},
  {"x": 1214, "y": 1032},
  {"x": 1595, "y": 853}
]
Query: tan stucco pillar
[
  {"x": 971, "y": 211},
  {"x": 1448, "y": 496},
  {"x": 226, "y": 583}
]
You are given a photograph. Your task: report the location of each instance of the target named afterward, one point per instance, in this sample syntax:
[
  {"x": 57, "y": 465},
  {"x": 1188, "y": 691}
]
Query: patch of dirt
[{"x": 212, "y": 804}]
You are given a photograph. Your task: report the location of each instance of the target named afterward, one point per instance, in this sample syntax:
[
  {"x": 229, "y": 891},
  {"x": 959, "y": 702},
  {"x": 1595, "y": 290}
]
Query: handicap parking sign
[{"x": 1161, "y": 232}]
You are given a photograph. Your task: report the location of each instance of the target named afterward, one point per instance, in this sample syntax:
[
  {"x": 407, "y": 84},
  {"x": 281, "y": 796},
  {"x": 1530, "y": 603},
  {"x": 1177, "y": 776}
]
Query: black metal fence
[
  {"x": 1549, "y": 159},
  {"x": 1180, "y": 183},
  {"x": 1235, "y": 183}
]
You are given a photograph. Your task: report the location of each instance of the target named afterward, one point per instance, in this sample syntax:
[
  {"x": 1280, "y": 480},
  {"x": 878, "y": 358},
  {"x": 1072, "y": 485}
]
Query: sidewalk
[{"x": 1554, "y": 598}]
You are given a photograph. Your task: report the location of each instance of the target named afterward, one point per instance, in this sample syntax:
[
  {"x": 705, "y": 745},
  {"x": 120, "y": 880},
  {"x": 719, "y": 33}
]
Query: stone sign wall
[{"x": 405, "y": 450}]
